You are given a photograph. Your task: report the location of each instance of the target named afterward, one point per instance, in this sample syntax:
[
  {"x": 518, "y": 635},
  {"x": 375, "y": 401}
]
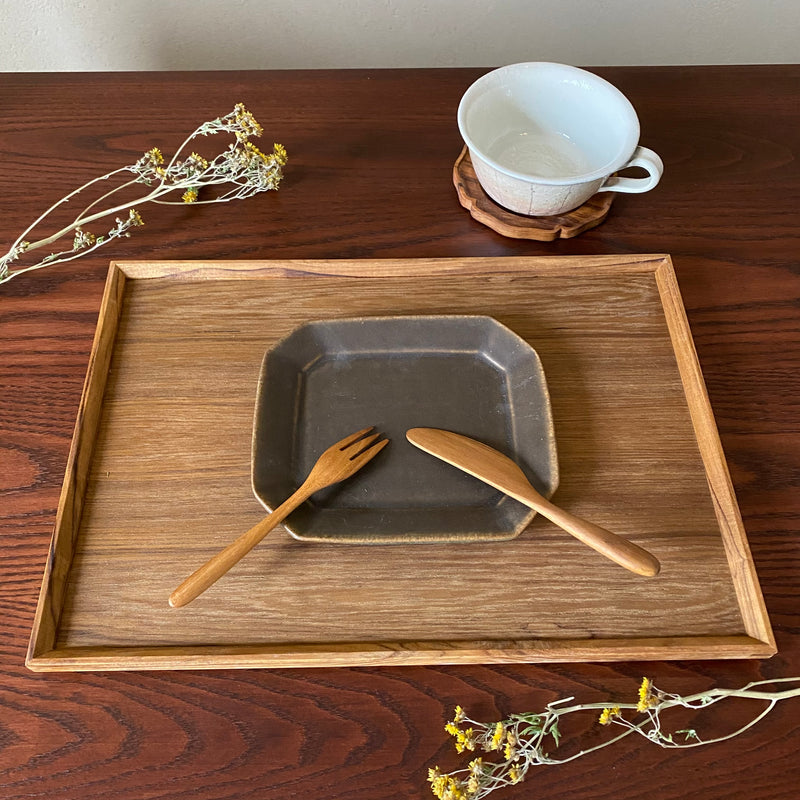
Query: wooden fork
[{"x": 338, "y": 462}]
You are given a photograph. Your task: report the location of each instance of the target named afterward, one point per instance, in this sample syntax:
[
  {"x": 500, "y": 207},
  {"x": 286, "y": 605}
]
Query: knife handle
[{"x": 614, "y": 547}]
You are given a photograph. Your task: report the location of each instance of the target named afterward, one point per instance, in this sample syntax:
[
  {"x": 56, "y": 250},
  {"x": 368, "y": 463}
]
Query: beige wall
[{"x": 261, "y": 34}]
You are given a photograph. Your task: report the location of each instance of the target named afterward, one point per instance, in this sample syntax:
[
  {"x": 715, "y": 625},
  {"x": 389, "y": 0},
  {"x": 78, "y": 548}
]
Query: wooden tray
[{"x": 158, "y": 479}]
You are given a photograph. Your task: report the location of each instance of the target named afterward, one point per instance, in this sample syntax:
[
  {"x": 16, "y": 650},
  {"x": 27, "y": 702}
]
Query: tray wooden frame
[{"x": 486, "y": 284}]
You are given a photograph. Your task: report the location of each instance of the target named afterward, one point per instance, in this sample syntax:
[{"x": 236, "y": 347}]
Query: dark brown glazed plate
[{"x": 467, "y": 374}]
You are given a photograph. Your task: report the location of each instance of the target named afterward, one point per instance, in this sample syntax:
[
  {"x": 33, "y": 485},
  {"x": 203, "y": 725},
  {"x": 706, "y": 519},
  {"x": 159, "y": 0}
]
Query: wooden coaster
[{"x": 517, "y": 226}]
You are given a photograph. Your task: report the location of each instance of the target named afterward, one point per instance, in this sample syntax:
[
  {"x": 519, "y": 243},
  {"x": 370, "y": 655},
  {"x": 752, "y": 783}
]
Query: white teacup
[{"x": 543, "y": 137}]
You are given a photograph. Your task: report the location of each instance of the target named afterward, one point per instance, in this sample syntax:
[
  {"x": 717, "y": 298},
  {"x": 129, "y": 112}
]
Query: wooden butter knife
[{"x": 492, "y": 467}]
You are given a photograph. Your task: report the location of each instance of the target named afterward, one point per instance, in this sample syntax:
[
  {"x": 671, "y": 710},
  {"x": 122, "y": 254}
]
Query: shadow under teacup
[{"x": 543, "y": 137}]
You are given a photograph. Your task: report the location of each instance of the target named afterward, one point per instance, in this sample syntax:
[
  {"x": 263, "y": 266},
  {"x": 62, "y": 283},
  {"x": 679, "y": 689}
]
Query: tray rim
[{"x": 43, "y": 655}]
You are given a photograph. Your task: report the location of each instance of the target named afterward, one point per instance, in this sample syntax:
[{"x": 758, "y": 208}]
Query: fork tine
[
  {"x": 361, "y": 445},
  {"x": 354, "y": 437},
  {"x": 369, "y": 452}
]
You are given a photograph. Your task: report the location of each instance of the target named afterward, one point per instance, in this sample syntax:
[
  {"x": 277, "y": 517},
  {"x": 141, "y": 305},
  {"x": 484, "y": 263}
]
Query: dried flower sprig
[
  {"x": 241, "y": 168},
  {"x": 522, "y": 738}
]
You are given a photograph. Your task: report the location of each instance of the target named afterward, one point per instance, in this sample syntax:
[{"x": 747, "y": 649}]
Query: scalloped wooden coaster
[{"x": 517, "y": 226}]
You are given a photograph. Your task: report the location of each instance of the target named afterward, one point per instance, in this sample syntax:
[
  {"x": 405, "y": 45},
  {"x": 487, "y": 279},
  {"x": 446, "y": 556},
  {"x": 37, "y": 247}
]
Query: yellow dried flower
[
  {"x": 247, "y": 122},
  {"x": 438, "y": 782},
  {"x": 646, "y": 697},
  {"x": 190, "y": 195},
  {"x": 455, "y": 791},
  {"x": 155, "y": 157},
  {"x": 465, "y": 740},
  {"x": 515, "y": 773},
  {"x": 498, "y": 736},
  {"x": 445, "y": 787},
  {"x": 135, "y": 217},
  {"x": 279, "y": 151},
  {"x": 608, "y": 714},
  {"x": 254, "y": 152},
  {"x": 83, "y": 239},
  {"x": 199, "y": 161},
  {"x": 459, "y": 715}
]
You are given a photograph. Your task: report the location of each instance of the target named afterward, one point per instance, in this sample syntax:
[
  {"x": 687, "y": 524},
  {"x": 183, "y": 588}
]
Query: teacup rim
[{"x": 600, "y": 172}]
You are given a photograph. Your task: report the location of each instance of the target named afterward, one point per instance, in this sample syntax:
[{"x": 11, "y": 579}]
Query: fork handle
[
  {"x": 219, "y": 564},
  {"x": 611, "y": 545}
]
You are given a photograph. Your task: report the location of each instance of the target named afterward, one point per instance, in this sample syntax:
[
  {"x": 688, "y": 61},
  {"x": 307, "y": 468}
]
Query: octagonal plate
[{"x": 468, "y": 374}]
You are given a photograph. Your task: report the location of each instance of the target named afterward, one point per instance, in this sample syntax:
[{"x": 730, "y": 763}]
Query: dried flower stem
[
  {"x": 242, "y": 167},
  {"x": 522, "y": 737}
]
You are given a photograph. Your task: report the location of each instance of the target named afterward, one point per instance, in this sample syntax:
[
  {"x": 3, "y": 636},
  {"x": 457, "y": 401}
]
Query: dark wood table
[{"x": 370, "y": 176}]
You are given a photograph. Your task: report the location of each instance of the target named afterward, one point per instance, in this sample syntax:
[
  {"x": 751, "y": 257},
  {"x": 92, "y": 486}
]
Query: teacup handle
[{"x": 642, "y": 157}]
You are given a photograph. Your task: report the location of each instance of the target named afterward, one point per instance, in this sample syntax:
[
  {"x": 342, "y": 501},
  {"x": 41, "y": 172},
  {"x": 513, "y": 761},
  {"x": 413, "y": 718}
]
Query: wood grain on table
[{"x": 371, "y": 156}]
